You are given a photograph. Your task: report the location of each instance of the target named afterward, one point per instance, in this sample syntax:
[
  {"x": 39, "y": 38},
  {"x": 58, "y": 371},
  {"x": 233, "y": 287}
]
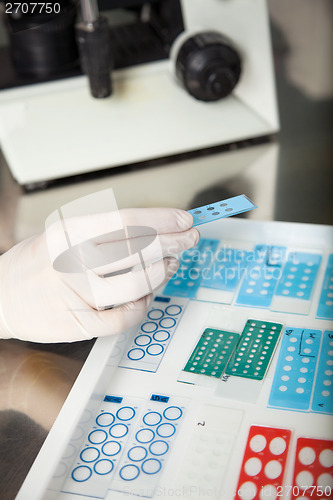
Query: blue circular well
[
  {"x": 162, "y": 427},
  {"x": 114, "y": 452},
  {"x": 173, "y": 307},
  {"x": 136, "y": 358},
  {"x": 158, "y": 313},
  {"x": 152, "y": 414},
  {"x": 118, "y": 426},
  {"x": 86, "y": 451},
  {"x": 163, "y": 338},
  {"x": 145, "y": 328},
  {"x": 103, "y": 461},
  {"x": 163, "y": 444},
  {"x": 124, "y": 471},
  {"x": 97, "y": 432},
  {"x": 176, "y": 410},
  {"x": 124, "y": 409},
  {"x": 149, "y": 436},
  {"x": 131, "y": 453},
  {"x": 81, "y": 467},
  {"x": 149, "y": 462},
  {"x": 109, "y": 417},
  {"x": 157, "y": 347}
]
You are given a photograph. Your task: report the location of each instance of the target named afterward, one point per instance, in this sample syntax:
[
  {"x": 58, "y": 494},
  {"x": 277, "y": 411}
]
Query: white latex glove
[{"x": 42, "y": 302}]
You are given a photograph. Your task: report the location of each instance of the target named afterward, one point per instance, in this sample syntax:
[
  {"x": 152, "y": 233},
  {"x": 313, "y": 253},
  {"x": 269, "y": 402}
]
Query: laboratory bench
[{"x": 289, "y": 177}]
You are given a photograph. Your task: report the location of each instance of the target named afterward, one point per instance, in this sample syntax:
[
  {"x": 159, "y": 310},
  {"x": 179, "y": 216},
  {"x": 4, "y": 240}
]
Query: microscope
[
  {"x": 44, "y": 44},
  {"x": 122, "y": 82}
]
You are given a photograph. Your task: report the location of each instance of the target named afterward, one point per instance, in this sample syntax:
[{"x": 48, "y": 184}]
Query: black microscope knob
[{"x": 208, "y": 66}]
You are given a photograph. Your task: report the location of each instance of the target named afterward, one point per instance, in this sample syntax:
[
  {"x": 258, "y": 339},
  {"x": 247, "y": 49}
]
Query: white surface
[
  {"x": 200, "y": 401},
  {"x": 55, "y": 130}
]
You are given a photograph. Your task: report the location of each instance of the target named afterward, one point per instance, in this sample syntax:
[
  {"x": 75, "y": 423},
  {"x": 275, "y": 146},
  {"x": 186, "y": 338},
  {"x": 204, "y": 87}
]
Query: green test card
[
  {"x": 254, "y": 350},
  {"x": 212, "y": 352}
]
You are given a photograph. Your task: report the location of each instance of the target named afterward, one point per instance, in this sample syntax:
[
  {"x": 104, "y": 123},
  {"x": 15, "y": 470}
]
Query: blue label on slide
[
  {"x": 113, "y": 399},
  {"x": 159, "y": 398}
]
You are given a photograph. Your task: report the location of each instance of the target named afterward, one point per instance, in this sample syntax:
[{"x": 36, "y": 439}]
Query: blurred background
[
  {"x": 289, "y": 174},
  {"x": 293, "y": 183}
]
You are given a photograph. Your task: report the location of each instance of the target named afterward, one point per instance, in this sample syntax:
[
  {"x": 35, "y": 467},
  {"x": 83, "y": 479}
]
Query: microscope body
[{"x": 169, "y": 92}]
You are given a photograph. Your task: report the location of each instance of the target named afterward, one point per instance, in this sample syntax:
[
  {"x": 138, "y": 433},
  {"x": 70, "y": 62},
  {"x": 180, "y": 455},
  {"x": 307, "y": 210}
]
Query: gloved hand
[{"x": 102, "y": 285}]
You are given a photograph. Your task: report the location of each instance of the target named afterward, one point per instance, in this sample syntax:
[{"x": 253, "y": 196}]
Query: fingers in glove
[
  {"x": 162, "y": 219},
  {"x": 138, "y": 250},
  {"x": 75, "y": 230},
  {"x": 147, "y": 233}
]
